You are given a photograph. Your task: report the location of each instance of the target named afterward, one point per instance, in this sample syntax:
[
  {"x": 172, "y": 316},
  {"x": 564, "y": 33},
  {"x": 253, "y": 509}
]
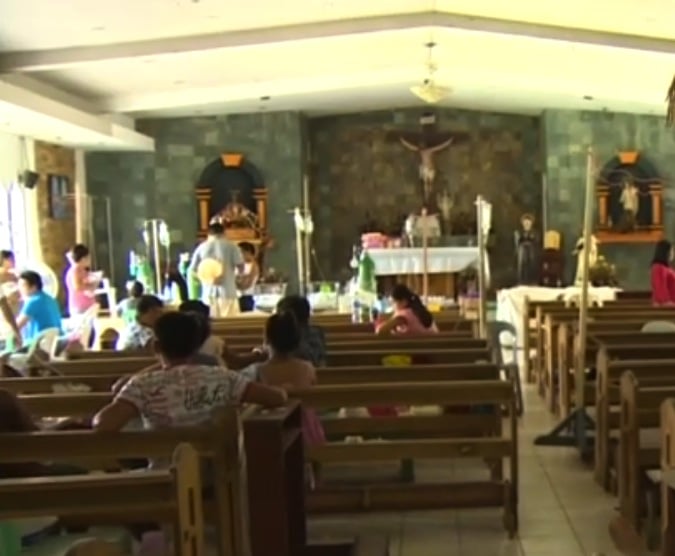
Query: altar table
[
  {"x": 406, "y": 265},
  {"x": 511, "y": 303}
]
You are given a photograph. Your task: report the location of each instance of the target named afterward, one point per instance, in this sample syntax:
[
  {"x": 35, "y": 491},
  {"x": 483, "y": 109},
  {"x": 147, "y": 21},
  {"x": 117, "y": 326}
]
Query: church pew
[
  {"x": 109, "y": 364},
  {"x": 597, "y": 336},
  {"x": 219, "y": 442},
  {"x": 533, "y": 315},
  {"x": 654, "y": 363},
  {"x": 420, "y": 441},
  {"x": 162, "y": 495},
  {"x": 551, "y": 342},
  {"x": 376, "y": 343},
  {"x": 102, "y": 382},
  {"x": 668, "y": 477},
  {"x": 418, "y": 356},
  {"x": 346, "y": 328},
  {"x": 640, "y": 410}
]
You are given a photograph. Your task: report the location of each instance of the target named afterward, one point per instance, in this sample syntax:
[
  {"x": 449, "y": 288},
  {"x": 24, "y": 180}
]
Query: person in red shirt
[{"x": 662, "y": 276}]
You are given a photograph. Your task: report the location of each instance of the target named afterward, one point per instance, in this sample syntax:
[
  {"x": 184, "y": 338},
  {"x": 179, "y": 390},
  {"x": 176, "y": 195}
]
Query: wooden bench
[
  {"x": 644, "y": 363},
  {"x": 599, "y": 333},
  {"x": 640, "y": 409},
  {"x": 219, "y": 442},
  {"x": 421, "y": 437},
  {"x": 167, "y": 496},
  {"x": 668, "y": 477},
  {"x": 102, "y": 382}
]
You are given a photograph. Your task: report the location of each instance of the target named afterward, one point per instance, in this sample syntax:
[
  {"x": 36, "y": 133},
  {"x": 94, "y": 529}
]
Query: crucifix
[{"x": 426, "y": 143}]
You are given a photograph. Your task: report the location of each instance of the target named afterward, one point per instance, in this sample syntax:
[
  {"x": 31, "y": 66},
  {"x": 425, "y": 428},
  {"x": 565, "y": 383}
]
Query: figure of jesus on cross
[{"x": 427, "y": 143}]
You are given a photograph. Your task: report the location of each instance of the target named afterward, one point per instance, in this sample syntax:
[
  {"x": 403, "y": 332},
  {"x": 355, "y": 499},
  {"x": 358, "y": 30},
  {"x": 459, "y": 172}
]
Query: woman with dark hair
[
  {"x": 410, "y": 315},
  {"x": 79, "y": 282},
  {"x": 662, "y": 276}
]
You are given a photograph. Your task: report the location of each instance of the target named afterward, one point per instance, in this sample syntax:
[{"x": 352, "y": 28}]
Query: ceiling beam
[{"x": 43, "y": 60}]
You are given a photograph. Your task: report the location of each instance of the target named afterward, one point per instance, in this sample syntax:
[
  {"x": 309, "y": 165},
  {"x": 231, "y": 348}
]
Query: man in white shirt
[{"x": 215, "y": 262}]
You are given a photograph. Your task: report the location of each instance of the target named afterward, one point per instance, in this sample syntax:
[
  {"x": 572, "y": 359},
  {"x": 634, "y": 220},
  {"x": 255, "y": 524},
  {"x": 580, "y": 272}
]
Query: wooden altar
[{"x": 231, "y": 191}]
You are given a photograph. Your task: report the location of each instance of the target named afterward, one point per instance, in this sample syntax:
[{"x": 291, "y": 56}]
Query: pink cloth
[
  {"x": 78, "y": 300},
  {"x": 412, "y": 326},
  {"x": 312, "y": 430},
  {"x": 663, "y": 284}
]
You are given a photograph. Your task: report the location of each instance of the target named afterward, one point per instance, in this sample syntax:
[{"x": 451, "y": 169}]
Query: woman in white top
[{"x": 247, "y": 280}]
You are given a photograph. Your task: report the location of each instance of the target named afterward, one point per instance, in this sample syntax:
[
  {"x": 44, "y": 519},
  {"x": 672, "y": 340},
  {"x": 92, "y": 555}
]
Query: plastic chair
[
  {"x": 47, "y": 341},
  {"x": 495, "y": 331},
  {"x": 85, "y": 328},
  {"x": 658, "y": 327}
]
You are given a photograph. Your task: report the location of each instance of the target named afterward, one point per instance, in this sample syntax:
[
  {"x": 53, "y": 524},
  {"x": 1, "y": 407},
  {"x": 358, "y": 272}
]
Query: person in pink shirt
[
  {"x": 662, "y": 275},
  {"x": 78, "y": 281},
  {"x": 411, "y": 317}
]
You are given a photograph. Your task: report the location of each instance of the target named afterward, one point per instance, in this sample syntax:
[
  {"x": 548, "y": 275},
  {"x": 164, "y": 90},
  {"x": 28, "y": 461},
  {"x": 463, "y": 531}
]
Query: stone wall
[
  {"x": 56, "y": 236},
  {"x": 161, "y": 184},
  {"x": 566, "y": 136},
  {"x": 357, "y": 167}
]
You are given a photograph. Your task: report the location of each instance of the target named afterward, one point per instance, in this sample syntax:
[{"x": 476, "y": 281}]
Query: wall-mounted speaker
[{"x": 30, "y": 179}]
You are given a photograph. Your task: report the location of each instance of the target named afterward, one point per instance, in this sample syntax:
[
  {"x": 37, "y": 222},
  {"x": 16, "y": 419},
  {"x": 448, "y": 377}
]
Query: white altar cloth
[
  {"x": 409, "y": 260},
  {"x": 511, "y": 303}
]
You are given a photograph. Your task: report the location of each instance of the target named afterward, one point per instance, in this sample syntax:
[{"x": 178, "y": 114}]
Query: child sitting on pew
[
  {"x": 312, "y": 345},
  {"x": 128, "y": 308},
  {"x": 286, "y": 370},
  {"x": 214, "y": 346},
  {"x": 181, "y": 392},
  {"x": 138, "y": 335},
  {"x": 411, "y": 317}
]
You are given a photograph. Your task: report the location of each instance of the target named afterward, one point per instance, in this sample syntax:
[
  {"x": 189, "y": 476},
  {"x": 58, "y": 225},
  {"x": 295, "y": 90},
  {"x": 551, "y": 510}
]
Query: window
[{"x": 14, "y": 230}]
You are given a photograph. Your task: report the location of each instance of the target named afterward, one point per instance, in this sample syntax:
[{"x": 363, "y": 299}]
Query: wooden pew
[
  {"x": 654, "y": 363},
  {"x": 597, "y": 338},
  {"x": 167, "y": 496},
  {"x": 640, "y": 409},
  {"x": 219, "y": 442},
  {"x": 668, "y": 477},
  {"x": 330, "y": 375},
  {"x": 550, "y": 341},
  {"x": 420, "y": 437}
]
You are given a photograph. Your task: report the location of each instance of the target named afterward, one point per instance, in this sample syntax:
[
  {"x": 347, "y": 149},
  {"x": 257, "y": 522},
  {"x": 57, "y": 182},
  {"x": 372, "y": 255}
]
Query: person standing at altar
[
  {"x": 662, "y": 275},
  {"x": 79, "y": 282},
  {"x": 411, "y": 316},
  {"x": 247, "y": 280},
  {"x": 215, "y": 262}
]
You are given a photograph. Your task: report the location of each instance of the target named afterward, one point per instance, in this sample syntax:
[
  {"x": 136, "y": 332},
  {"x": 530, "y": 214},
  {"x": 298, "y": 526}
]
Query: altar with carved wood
[
  {"x": 231, "y": 191},
  {"x": 406, "y": 265}
]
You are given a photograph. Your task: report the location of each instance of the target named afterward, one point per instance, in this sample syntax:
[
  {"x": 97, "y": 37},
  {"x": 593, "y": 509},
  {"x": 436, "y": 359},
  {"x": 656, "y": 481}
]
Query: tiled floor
[{"x": 562, "y": 511}]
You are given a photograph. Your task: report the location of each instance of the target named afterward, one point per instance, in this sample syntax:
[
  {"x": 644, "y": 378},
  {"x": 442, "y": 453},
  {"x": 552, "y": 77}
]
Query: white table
[
  {"x": 409, "y": 260},
  {"x": 511, "y": 304}
]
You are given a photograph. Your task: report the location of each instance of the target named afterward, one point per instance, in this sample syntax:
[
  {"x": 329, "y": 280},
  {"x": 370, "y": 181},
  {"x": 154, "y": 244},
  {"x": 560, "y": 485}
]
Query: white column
[{"x": 81, "y": 200}]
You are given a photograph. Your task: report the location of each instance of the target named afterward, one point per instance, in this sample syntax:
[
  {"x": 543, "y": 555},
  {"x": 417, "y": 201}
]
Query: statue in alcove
[
  {"x": 630, "y": 202},
  {"x": 527, "y": 246},
  {"x": 236, "y": 215}
]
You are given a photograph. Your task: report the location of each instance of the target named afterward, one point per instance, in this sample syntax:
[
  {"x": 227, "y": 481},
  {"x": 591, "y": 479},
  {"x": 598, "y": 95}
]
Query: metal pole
[
  {"x": 425, "y": 256},
  {"x": 544, "y": 203},
  {"x": 154, "y": 226},
  {"x": 111, "y": 243},
  {"x": 580, "y": 376},
  {"x": 482, "y": 308}
]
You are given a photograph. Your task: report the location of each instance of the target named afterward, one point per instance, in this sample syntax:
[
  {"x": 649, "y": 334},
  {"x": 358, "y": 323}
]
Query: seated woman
[
  {"x": 410, "y": 316},
  {"x": 662, "y": 275},
  {"x": 181, "y": 392}
]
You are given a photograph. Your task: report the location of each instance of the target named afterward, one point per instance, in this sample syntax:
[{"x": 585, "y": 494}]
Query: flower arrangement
[{"x": 602, "y": 273}]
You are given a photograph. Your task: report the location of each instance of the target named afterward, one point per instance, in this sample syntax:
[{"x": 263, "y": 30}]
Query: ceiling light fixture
[
  {"x": 429, "y": 91},
  {"x": 587, "y": 97},
  {"x": 265, "y": 98}
]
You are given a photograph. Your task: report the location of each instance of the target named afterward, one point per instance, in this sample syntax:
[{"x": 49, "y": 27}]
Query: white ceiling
[{"x": 160, "y": 58}]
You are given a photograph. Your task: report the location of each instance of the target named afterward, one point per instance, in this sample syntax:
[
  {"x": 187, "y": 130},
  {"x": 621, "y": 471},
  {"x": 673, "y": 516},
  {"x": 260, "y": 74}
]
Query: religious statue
[
  {"x": 427, "y": 171},
  {"x": 445, "y": 203},
  {"x": 417, "y": 226},
  {"x": 427, "y": 143},
  {"x": 630, "y": 201},
  {"x": 527, "y": 247},
  {"x": 592, "y": 258},
  {"x": 236, "y": 215}
]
